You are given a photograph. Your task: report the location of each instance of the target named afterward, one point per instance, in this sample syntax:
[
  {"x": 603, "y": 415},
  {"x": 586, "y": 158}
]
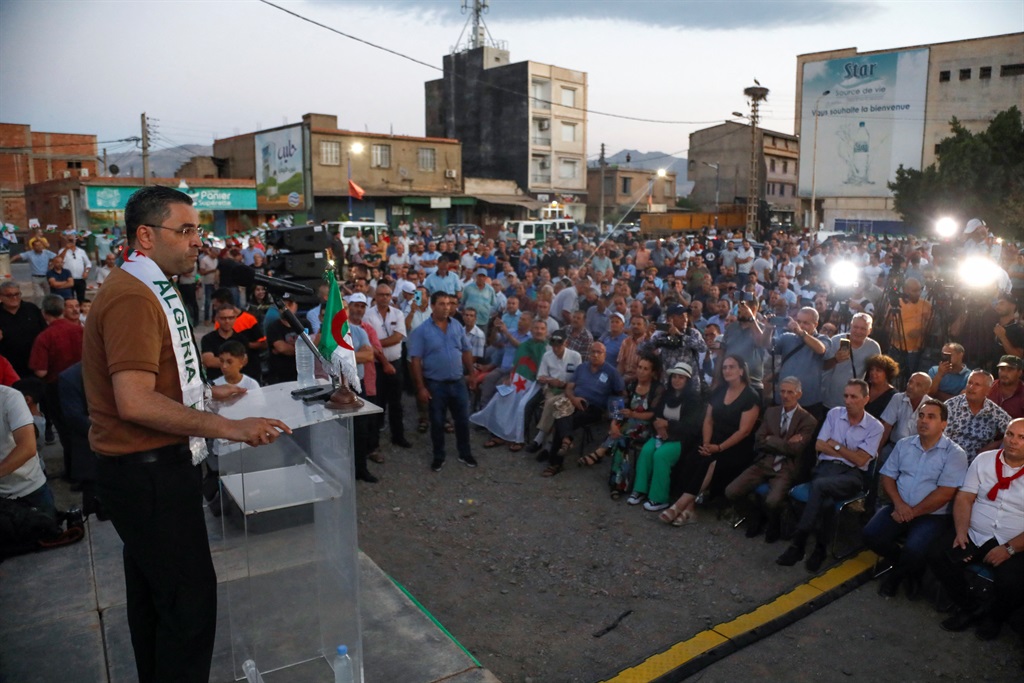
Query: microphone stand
[{"x": 338, "y": 396}]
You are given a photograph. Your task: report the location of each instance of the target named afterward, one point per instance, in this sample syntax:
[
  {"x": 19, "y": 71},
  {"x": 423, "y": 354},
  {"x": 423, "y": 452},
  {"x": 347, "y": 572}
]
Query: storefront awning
[{"x": 511, "y": 200}]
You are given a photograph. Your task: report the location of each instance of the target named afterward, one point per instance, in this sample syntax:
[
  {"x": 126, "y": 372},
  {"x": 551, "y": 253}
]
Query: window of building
[
  {"x": 670, "y": 189},
  {"x": 380, "y": 156},
  {"x": 330, "y": 153},
  {"x": 985, "y": 72},
  {"x": 770, "y": 189},
  {"x": 541, "y": 94},
  {"x": 609, "y": 186},
  {"x": 965, "y": 74},
  {"x": 74, "y": 164},
  {"x": 627, "y": 185},
  {"x": 568, "y": 97},
  {"x": 427, "y": 158},
  {"x": 771, "y": 165},
  {"x": 937, "y": 148},
  {"x": 943, "y": 76},
  {"x": 1011, "y": 70},
  {"x": 568, "y": 132},
  {"x": 785, "y": 166},
  {"x": 568, "y": 168}
]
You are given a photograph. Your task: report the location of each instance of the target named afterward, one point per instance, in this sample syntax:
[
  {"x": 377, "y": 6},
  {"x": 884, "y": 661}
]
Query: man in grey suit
[{"x": 784, "y": 434}]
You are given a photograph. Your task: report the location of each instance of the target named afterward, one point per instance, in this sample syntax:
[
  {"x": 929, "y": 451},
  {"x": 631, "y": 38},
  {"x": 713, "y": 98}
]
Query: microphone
[{"x": 248, "y": 277}]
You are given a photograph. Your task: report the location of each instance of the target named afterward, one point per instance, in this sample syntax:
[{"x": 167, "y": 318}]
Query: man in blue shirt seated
[
  {"x": 440, "y": 360},
  {"x": 613, "y": 339},
  {"x": 920, "y": 477},
  {"x": 949, "y": 377},
  {"x": 846, "y": 445},
  {"x": 592, "y": 386}
]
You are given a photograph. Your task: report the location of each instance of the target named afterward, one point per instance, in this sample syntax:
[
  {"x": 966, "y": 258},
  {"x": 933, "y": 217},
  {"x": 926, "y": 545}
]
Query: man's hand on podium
[
  {"x": 256, "y": 431},
  {"x": 226, "y": 392}
]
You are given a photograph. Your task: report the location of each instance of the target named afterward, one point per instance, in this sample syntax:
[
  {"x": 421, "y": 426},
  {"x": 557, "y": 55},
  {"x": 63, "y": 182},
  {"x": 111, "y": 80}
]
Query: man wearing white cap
[
  {"x": 975, "y": 233},
  {"x": 613, "y": 338},
  {"x": 406, "y": 292}
]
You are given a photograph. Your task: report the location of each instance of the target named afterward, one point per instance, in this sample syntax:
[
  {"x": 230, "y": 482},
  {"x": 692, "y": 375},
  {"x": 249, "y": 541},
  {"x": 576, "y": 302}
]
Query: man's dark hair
[
  {"x": 437, "y": 295},
  {"x": 223, "y": 296},
  {"x": 150, "y": 205},
  {"x": 864, "y": 389},
  {"x": 943, "y": 409},
  {"x": 232, "y": 348},
  {"x": 33, "y": 387}
]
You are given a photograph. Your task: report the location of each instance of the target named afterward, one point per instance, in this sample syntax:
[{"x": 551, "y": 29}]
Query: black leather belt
[{"x": 167, "y": 455}]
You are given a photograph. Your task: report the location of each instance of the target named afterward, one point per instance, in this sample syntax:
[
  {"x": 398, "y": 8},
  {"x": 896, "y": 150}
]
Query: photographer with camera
[
  {"x": 907, "y": 335},
  {"x": 676, "y": 340},
  {"x": 990, "y": 334},
  {"x": 749, "y": 338}
]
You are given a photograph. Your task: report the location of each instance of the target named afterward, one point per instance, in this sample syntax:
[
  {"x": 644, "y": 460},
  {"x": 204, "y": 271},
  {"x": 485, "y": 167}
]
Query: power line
[
  {"x": 67, "y": 144},
  {"x": 420, "y": 62}
]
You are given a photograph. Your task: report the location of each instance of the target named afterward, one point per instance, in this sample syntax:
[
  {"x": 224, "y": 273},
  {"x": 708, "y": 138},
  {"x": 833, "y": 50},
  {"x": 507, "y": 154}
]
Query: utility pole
[
  {"x": 600, "y": 210},
  {"x": 105, "y": 167},
  {"x": 757, "y": 94},
  {"x": 145, "y": 150}
]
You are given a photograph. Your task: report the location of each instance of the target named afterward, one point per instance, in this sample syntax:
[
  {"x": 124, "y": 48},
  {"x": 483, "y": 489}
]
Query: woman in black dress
[
  {"x": 880, "y": 371},
  {"x": 728, "y": 437}
]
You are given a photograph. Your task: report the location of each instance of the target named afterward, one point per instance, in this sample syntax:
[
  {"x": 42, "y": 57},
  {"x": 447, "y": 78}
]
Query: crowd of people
[{"x": 709, "y": 366}]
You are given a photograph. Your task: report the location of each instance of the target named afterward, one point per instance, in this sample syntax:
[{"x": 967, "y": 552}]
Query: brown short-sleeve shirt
[{"x": 126, "y": 330}]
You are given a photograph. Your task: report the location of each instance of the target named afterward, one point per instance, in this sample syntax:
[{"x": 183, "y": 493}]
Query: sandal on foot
[
  {"x": 591, "y": 459},
  {"x": 685, "y": 518},
  {"x": 616, "y": 494},
  {"x": 449, "y": 428},
  {"x": 493, "y": 443},
  {"x": 670, "y": 515},
  {"x": 423, "y": 427},
  {"x": 551, "y": 471},
  {"x": 565, "y": 447},
  {"x": 515, "y": 447}
]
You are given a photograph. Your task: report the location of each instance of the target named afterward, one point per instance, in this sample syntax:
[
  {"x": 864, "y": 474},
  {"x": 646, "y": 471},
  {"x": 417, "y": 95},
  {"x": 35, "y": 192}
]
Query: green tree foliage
[{"x": 976, "y": 175}]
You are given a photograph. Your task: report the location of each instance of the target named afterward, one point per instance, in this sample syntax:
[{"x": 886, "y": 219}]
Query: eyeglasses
[
  {"x": 12, "y": 295},
  {"x": 187, "y": 231}
]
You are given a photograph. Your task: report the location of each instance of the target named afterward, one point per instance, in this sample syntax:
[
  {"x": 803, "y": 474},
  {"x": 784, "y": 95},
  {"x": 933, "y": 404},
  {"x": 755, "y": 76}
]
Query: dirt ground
[{"x": 523, "y": 570}]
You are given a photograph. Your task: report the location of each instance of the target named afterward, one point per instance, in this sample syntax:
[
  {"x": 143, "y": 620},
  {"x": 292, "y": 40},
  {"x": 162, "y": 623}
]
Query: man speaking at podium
[{"x": 146, "y": 392}]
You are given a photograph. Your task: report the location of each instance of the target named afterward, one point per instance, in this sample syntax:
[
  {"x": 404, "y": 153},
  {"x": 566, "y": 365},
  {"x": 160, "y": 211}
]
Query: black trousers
[
  {"x": 565, "y": 426},
  {"x": 79, "y": 290},
  {"x": 952, "y": 574},
  {"x": 389, "y": 397},
  {"x": 366, "y": 432},
  {"x": 171, "y": 586},
  {"x": 52, "y": 409}
]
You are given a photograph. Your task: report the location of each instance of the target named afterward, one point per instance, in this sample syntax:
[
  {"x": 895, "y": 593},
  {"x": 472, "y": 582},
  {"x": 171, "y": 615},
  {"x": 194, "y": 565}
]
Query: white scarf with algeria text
[{"x": 186, "y": 353}]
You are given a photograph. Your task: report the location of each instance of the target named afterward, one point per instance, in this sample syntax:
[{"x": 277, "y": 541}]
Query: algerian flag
[
  {"x": 504, "y": 415},
  {"x": 335, "y": 337}
]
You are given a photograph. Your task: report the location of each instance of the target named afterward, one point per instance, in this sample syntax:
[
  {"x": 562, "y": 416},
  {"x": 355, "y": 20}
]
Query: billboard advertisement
[
  {"x": 113, "y": 198},
  {"x": 870, "y": 122},
  {"x": 279, "y": 185}
]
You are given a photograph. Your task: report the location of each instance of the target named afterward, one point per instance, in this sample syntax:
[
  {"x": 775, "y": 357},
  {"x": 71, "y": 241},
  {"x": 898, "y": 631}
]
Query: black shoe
[
  {"x": 889, "y": 586},
  {"x": 960, "y": 621},
  {"x": 367, "y": 477},
  {"x": 436, "y": 465},
  {"x": 468, "y": 460},
  {"x": 755, "y": 525},
  {"x": 988, "y": 629},
  {"x": 792, "y": 555},
  {"x": 543, "y": 455},
  {"x": 533, "y": 447},
  {"x": 402, "y": 442},
  {"x": 817, "y": 557}
]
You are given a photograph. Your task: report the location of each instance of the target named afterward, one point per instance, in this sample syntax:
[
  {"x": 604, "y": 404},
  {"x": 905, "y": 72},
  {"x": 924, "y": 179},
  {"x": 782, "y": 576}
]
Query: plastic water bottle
[
  {"x": 252, "y": 674},
  {"x": 343, "y": 666},
  {"x": 304, "y": 362},
  {"x": 861, "y": 152}
]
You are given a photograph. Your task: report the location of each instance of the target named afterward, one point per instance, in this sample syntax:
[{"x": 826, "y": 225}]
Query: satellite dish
[{"x": 114, "y": 169}]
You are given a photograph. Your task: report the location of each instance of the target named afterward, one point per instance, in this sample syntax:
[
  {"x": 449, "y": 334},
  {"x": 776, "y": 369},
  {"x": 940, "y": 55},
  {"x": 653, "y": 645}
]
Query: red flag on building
[{"x": 355, "y": 191}]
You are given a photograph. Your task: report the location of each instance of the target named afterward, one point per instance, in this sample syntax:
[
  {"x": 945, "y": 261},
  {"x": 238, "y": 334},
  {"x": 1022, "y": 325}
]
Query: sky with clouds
[{"x": 206, "y": 69}]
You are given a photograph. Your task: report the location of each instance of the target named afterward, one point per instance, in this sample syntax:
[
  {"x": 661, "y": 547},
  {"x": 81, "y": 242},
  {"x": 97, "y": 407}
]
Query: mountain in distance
[
  {"x": 652, "y": 161},
  {"x": 162, "y": 162}
]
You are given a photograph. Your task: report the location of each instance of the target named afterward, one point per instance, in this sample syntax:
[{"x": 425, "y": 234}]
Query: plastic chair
[{"x": 801, "y": 492}]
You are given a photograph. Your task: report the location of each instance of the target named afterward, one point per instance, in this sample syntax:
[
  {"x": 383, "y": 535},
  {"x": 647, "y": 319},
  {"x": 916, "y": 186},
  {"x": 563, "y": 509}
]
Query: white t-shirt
[
  {"x": 14, "y": 414},
  {"x": 1003, "y": 517},
  {"x": 559, "y": 368},
  {"x": 220, "y": 446}
]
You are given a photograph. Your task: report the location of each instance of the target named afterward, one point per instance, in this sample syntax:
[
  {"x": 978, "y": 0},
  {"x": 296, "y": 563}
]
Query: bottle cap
[{"x": 342, "y": 650}]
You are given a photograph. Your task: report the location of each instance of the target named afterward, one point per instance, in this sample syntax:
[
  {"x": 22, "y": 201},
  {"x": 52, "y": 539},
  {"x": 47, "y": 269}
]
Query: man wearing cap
[
  {"x": 975, "y": 233},
  {"x": 614, "y": 337},
  {"x": 556, "y": 370},
  {"x": 480, "y": 296},
  {"x": 1008, "y": 391},
  {"x": 680, "y": 343},
  {"x": 38, "y": 259}
]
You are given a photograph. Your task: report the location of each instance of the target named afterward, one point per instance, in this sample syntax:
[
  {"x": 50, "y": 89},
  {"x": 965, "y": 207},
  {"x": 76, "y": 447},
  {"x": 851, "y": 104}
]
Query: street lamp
[
  {"x": 356, "y": 148},
  {"x": 718, "y": 167},
  {"x": 814, "y": 165}
]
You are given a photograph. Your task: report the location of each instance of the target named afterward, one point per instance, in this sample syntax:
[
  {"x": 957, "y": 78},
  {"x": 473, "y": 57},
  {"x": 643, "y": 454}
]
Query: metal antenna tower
[
  {"x": 757, "y": 94},
  {"x": 478, "y": 38}
]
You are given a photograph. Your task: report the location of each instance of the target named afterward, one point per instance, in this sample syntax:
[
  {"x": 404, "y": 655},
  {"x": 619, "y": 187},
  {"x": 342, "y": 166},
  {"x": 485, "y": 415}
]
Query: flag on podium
[{"x": 335, "y": 337}]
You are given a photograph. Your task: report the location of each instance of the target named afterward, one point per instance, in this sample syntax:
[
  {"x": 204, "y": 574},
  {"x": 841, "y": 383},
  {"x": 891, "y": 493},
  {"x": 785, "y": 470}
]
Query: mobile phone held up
[
  {"x": 844, "y": 344},
  {"x": 418, "y": 297},
  {"x": 947, "y": 358}
]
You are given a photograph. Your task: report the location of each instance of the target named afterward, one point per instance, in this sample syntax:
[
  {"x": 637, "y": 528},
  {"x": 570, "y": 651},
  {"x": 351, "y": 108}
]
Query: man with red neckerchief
[{"x": 988, "y": 515}]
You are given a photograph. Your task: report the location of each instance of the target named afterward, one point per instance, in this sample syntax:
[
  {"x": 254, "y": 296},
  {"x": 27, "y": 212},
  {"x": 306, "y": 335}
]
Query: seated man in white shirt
[{"x": 988, "y": 519}]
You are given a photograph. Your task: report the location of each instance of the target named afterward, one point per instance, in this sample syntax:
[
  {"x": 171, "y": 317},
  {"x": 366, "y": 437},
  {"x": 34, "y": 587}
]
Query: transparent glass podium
[{"x": 292, "y": 505}]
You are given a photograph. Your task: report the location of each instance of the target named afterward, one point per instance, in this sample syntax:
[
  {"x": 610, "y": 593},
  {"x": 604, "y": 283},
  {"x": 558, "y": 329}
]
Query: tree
[{"x": 976, "y": 175}]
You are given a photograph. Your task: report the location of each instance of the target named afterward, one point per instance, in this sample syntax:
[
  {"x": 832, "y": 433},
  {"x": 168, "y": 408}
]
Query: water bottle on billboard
[
  {"x": 861, "y": 152},
  {"x": 269, "y": 155}
]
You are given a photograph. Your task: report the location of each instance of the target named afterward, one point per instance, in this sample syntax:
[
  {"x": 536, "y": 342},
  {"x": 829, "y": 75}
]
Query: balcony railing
[
  {"x": 544, "y": 142},
  {"x": 540, "y": 104},
  {"x": 541, "y": 178}
]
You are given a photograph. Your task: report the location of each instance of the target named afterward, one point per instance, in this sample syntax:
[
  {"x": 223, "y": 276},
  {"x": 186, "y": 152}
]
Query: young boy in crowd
[{"x": 33, "y": 389}]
